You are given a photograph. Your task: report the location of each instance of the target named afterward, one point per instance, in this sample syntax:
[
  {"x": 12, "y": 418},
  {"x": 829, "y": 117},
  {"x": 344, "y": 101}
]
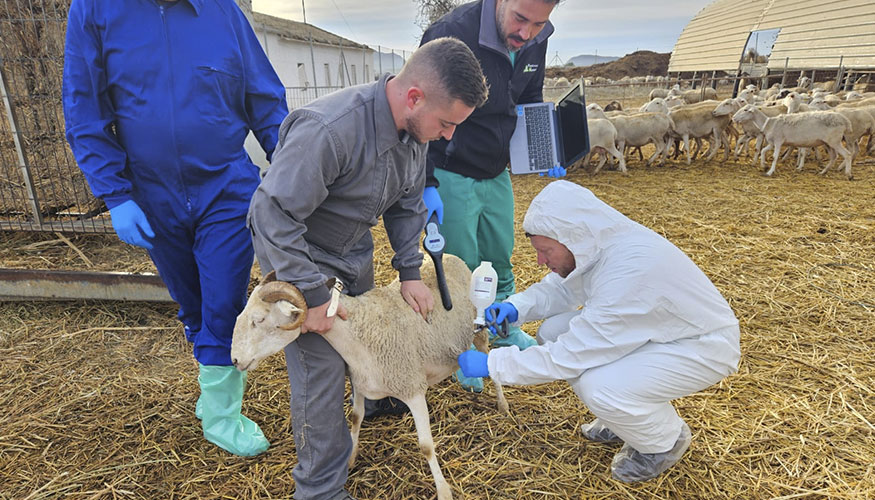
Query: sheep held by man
[{"x": 389, "y": 349}]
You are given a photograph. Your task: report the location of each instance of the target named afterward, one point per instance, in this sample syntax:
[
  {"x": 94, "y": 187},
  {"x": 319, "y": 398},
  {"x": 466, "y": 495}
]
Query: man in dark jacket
[
  {"x": 158, "y": 99},
  {"x": 468, "y": 183}
]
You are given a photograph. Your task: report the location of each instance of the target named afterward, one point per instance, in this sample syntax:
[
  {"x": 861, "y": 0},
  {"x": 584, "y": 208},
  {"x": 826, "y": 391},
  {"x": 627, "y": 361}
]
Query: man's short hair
[{"x": 451, "y": 64}]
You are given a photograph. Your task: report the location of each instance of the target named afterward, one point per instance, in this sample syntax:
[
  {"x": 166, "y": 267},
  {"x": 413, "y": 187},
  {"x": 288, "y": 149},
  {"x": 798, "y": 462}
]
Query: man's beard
[
  {"x": 414, "y": 131},
  {"x": 504, "y": 36}
]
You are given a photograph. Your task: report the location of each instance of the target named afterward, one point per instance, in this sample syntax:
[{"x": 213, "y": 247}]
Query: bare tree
[{"x": 432, "y": 10}]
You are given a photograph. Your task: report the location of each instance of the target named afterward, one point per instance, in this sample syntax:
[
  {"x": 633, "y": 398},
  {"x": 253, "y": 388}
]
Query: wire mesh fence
[{"x": 41, "y": 187}]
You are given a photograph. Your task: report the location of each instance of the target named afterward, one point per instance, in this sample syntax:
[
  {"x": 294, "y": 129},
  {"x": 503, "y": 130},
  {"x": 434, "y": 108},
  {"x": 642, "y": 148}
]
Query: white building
[{"x": 339, "y": 62}]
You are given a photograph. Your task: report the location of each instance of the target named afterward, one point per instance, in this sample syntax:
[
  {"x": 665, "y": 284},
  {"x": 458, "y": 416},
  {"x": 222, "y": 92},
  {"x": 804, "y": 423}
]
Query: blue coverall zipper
[{"x": 172, "y": 115}]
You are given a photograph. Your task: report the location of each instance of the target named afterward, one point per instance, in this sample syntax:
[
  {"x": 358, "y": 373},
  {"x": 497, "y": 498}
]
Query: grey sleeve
[
  {"x": 307, "y": 160},
  {"x": 405, "y": 221}
]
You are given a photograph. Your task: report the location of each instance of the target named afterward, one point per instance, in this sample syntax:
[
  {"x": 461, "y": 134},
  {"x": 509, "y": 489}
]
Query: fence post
[
  {"x": 693, "y": 81},
  {"x": 19, "y": 149},
  {"x": 784, "y": 74},
  {"x": 380, "y": 59},
  {"x": 839, "y": 74}
]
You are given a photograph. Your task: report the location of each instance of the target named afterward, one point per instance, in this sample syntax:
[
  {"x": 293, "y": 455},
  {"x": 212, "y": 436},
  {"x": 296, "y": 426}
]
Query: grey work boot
[
  {"x": 599, "y": 432},
  {"x": 629, "y": 465}
]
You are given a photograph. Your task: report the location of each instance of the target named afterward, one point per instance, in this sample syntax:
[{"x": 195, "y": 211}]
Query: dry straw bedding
[{"x": 97, "y": 398}]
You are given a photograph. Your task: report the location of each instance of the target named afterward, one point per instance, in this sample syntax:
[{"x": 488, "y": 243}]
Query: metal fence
[{"x": 41, "y": 188}]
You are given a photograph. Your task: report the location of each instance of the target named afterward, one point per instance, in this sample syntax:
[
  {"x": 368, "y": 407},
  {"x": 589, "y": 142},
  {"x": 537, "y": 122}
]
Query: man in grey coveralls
[{"x": 341, "y": 163}]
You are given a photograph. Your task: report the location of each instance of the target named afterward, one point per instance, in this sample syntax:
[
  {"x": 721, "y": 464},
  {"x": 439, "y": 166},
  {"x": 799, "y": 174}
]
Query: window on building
[
  {"x": 367, "y": 75},
  {"x": 302, "y": 76},
  {"x": 327, "y": 75},
  {"x": 341, "y": 75},
  {"x": 353, "y": 75}
]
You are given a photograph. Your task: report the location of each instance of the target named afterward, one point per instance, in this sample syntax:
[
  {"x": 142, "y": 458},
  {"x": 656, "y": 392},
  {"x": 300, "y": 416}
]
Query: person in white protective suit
[{"x": 630, "y": 322}]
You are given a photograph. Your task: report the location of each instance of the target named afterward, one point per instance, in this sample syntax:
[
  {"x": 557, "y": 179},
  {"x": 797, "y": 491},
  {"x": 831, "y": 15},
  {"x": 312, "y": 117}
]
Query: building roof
[
  {"x": 294, "y": 30},
  {"x": 813, "y": 34}
]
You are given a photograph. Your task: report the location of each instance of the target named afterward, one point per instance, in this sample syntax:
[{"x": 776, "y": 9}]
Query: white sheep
[
  {"x": 814, "y": 128},
  {"x": 603, "y": 139},
  {"x": 640, "y": 129},
  {"x": 694, "y": 96},
  {"x": 752, "y": 119},
  {"x": 389, "y": 349},
  {"x": 655, "y": 105},
  {"x": 698, "y": 121}
]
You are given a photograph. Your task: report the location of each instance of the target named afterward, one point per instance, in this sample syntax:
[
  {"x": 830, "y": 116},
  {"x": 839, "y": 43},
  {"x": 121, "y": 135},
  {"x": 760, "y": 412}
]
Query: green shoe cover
[
  {"x": 515, "y": 337},
  {"x": 220, "y": 400},
  {"x": 199, "y": 409}
]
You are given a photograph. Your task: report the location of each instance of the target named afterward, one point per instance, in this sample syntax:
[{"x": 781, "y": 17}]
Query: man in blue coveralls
[{"x": 158, "y": 99}]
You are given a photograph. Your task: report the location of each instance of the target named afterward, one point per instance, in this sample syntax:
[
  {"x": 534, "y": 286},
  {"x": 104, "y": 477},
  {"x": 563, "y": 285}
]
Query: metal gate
[{"x": 41, "y": 187}]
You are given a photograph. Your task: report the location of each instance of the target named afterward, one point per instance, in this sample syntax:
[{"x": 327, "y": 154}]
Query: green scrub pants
[{"x": 478, "y": 223}]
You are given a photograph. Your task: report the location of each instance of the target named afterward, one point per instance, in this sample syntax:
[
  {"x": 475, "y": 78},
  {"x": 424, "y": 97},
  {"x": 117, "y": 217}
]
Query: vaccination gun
[{"x": 434, "y": 244}]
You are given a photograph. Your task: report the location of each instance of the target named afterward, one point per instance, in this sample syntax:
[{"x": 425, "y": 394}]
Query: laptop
[{"x": 549, "y": 134}]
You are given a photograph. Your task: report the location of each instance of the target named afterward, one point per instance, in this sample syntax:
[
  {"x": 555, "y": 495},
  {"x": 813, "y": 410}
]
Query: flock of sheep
[{"x": 804, "y": 117}]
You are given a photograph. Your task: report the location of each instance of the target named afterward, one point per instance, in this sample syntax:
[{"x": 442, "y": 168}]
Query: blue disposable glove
[
  {"x": 473, "y": 364},
  {"x": 557, "y": 171},
  {"x": 433, "y": 203},
  {"x": 131, "y": 225},
  {"x": 498, "y": 312}
]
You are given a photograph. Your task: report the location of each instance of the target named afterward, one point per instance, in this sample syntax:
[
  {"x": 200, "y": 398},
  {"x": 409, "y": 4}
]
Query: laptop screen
[{"x": 572, "y": 118}]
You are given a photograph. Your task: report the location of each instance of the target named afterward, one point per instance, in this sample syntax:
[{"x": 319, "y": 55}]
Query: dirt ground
[{"x": 98, "y": 398}]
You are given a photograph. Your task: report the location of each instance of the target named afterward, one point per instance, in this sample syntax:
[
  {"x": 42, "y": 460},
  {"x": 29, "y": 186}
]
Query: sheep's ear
[{"x": 271, "y": 276}]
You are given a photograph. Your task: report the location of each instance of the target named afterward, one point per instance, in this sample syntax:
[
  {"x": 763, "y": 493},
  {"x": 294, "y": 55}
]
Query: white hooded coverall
[{"x": 652, "y": 327}]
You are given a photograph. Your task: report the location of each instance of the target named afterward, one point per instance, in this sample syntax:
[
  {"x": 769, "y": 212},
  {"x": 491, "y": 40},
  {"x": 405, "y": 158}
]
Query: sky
[{"x": 613, "y": 28}]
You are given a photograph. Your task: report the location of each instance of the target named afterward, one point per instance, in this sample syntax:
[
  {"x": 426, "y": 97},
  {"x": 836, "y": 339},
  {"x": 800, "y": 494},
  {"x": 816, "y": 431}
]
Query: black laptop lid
[{"x": 574, "y": 139}]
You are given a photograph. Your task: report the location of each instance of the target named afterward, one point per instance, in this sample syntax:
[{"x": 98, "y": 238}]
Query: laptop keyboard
[{"x": 539, "y": 137}]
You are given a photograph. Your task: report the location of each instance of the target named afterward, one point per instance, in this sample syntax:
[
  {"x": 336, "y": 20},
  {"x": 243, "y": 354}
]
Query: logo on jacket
[{"x": 530, "y": 68}]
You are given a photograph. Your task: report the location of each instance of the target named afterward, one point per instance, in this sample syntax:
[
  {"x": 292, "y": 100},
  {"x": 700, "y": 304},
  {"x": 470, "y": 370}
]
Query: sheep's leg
[
  {"x": 714, "y": 144},
  {"x": 358, "y": 414},
  {"x": 419, "y": 410},
  {"x": 687, "y": 148},
  {"x": 775, "y": 158},
  {"x": 602, "y": 159},
  {"x": 743, "y": 141},
  {"x": 763, "y": 155},
  {"x": 801, "y": 153},
  {"x": 616, "y": 153},
  {"x": 757, "y": 148},
  {"x": 832, "y": 159},
  {"x": 481, "y": 342},
  {"x": 698, "y": 142},
  {"x": 846, "y": 156}
]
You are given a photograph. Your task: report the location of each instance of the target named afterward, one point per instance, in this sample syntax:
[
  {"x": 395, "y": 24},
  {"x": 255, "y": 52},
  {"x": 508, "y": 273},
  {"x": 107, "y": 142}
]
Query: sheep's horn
[{"x": 275, "y": 291}]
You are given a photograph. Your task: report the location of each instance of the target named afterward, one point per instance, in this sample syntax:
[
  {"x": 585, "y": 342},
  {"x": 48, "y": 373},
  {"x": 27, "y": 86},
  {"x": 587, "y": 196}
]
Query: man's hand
[
  {"x": 556, "y": 172},
  {"x": 474, "y": 364},
  {"x": 498, "y": 312},
  {"x": 418, "y": 296},
  {"x": 131, "y": 225},
  {"x": 318, "y": 322}
]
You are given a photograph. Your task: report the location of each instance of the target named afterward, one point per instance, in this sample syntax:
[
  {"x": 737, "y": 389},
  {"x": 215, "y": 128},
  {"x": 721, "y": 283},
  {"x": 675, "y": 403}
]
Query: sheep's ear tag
[{"x": 336, "y": 287}]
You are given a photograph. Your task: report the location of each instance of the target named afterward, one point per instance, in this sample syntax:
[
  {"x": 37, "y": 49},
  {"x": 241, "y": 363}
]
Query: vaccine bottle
[{"x": 484, "y": 284}]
